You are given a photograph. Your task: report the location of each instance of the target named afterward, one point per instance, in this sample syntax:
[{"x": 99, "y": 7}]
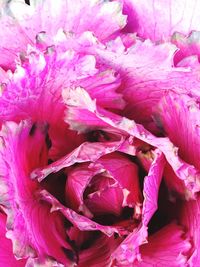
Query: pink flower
[{"x": 99, "y": 139}]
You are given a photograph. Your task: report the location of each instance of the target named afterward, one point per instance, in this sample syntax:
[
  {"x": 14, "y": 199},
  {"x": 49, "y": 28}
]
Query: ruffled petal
[
  {"x": 23, "y": 147},
  {"x": 82, "y": 114},
  {"x": 147, "y": 72},
  {"x": 81, "y": 222},
  {"x": 152, "y": 185},
  {"x": 17, "y": 20},
  {"x": 111, "y": 183},
  {"x": 188, "y": 46},
  {"x": 150, "y": 22},
  {"x": 6, "y": 252},
  {"x": 36, "y": 86},
  {"x": 86, "y": 152}
]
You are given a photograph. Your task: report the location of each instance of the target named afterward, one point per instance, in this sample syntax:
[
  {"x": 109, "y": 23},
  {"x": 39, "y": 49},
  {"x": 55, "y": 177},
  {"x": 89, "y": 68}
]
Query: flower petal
[
  {"x": 179, "y": 116},
  {"x": 125, "y": 173},
  {"x": 17, "y": 18},
  {"x": 73, "y": 17},
  {"x": 99, "y": 253},
  {"x": 81, "y": 222},
  {"x": 151, "y": 186},
  {"x": 128, "y": 250},
  {"x": 84, "y": 153},
  {"x": 149, "y": 21},
  {"x": 188, "y": 45},
  {"x": 6, "y": 252},
  {"x": 23, "y": 147},
  {"x": 82, "y": 114},
  {"x": 36, "y": 86},
  {"x": 165, "y": 247},
  {"x": 147, "y": 73},
  {"x": 77, "y": 181},
  {"x": 189, "y": 218}
]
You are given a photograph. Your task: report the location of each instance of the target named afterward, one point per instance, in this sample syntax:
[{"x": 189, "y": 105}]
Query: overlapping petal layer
[
  {"x": 82, "y": 113},
  {"x": 158, "y": 20},
  {"x": 22, "y": 149},
  {"x": 17, "y": 20},
  {"x": 81, "y": 182},
  {"x": 6, "y": 252},
  {"x": 147, "y": 72}
]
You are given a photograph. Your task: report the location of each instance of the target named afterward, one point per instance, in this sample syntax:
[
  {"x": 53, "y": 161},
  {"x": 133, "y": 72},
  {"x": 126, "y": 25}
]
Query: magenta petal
[
  {"x": 128, "y": 251},
  {"x": 104, "y": 195},
  {"x": 103, "y": 87},
  {"x": 86, "y": 152},
  {"x": 99, "y": 253},
  {"x": 6, "y": 252},
  {"x": 116, "y": 182},
  {"x": 165, "y": 247},
  {"x": 22, "y": 149},
  {"x": 109, "y": 201},
  {"x": 174, "y": 184},
  {"x": 77, "y": 181},
  {"x": 189, "y": 217},
  {"x": 151, "y": 186},
  {"x": 180, "y": 120},
  {"x": 125, "y": 173},
  {"x": 105, "y": 198},
  {"x": 149, "y": 21},
  {"x": 82, "y": 114},
  {"x": 81, "y": 222}
]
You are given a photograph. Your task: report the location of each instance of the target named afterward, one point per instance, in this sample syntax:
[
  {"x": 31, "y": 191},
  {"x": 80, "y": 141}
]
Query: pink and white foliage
[{"x": 99, "y": 133}]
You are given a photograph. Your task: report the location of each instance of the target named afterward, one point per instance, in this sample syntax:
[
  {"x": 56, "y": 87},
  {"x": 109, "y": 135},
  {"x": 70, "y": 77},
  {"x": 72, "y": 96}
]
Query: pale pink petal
[
  {"x": 101, "y": 18},
  {"x": 6, "y": 252},
  {"x": 167, "y": 246},
  {"x": 23, "y": 147},
  {"x": 18, "y": 29},
  {"x": 188, "y": 46},
  {"x": 83, "y": 114},
  {"x": 14, "y": 38},
  {"x": 159, "y": 19},
  {"x": 147, "y": 73},
  {"x": 189, "y": 218}
]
